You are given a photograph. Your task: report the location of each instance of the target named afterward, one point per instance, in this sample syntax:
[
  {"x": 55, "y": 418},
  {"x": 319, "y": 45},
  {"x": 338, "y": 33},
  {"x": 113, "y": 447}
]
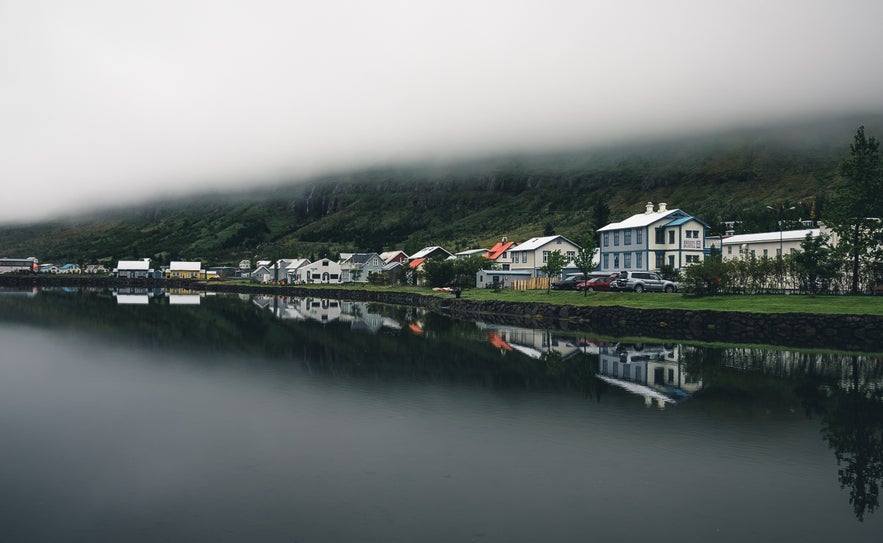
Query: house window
[
  {"x": 545, "y": 256},
  {"x": 779, "y": 252},
  {"x": 616, "y": 238},
  {"x": 606, "y": 263},
  {"x": 639, "y": 257},
  {"x": 558, "y": 241},
  {"x": 571, "y": 254},
  {"x": 606, "y": 239},
  {"x": 524, "y": 257},
  {"x": 334, "y": 276},
  {"x": 660, "y": 235},
  {"x": 324, "y": 262},
  {"x": 660, "y": 259},
  {"x": 729, "y": 249},
  {"x": 627, "y": 237},
  {"x": 627, "y": 260},
  {"x": 639, "y": 236},
  {"x": 671, "y": 237},
  {"x": 766, "y": 253},
  {"x": 690, "y": 259},
  {"x": 671, "y": 261},
  {"x": 616, "y": 260},
  {"x": 638, "y": 373}
]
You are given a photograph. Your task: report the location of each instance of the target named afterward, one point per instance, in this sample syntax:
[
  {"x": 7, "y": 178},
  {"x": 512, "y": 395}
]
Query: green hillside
[{"x": 716, "y": 177}]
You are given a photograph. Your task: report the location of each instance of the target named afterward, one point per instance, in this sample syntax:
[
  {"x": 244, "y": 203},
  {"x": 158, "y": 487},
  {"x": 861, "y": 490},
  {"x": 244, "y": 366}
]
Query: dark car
[
  {"x": 602, "y": 284},
  {"x": 566, "y": 284}
]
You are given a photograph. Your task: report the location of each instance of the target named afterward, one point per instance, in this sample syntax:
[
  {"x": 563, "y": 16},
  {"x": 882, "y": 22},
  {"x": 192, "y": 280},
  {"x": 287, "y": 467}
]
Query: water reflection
[{"x": 841, "y": 392}]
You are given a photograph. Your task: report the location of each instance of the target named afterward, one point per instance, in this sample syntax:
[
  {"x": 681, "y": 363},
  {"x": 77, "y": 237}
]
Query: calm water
[{"x": 152, "y": 416}]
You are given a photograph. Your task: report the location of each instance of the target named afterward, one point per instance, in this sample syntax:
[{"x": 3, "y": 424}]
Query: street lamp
[{"x": 780, "y": 212}]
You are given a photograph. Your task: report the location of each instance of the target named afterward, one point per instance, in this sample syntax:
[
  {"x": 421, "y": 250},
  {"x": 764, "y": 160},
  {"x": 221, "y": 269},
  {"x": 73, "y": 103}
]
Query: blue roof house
[{"x": 652, "y": 239}]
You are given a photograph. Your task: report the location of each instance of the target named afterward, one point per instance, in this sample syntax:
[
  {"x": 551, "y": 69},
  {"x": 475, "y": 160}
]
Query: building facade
[{"x": 653, "y": 239}]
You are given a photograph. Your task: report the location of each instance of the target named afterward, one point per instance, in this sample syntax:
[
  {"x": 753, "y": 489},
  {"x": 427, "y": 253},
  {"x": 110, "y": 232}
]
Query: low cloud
[{"x": 107, "y": 102}]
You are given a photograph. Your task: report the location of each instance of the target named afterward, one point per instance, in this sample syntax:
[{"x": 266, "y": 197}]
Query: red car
[{"x": 599, "y": 283}]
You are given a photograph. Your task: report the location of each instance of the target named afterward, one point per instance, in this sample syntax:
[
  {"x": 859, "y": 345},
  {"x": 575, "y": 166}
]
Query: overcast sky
[{"x": 105, "y": 101}]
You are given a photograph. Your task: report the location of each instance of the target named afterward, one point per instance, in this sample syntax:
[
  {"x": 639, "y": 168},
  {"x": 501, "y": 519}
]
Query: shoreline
[{"x": 802, "y": 330}]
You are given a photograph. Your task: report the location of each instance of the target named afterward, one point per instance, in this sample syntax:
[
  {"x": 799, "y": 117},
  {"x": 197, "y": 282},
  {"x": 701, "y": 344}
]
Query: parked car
[
  {"x": 602, "y": 284},
  {"x": 644, "y": 281},
  {"x": 569, "y": 283}
]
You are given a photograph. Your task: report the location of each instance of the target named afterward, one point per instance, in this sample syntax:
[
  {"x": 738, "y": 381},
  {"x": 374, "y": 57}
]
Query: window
[
  {"x": 766, "y": 253},
  {"x": 660, "y": 235},
  {"x": 545, "y": 256},
  {"x": 334, "y": 276},
  {"x": 627, "y": 260},
  {"x": 639, "y": 259},
  {"x": 639, "y": 236},
  {"x": 778, "y": 252},
  {"x": 690, "y": 259},
  {"x": 660, "y": 259},
  {"x": 627, "y": 237},
  {"x": 729, "y": 249},
  {"x": 558, "y": 241},
  {"x": 671, "y": 376},
  {"x": 616, "y": 260},
  {"x": 637, "y": 373},
  {"x": 606, "y": 239},
  {"x": 671, "y": 260},
  {"x": 571, "y": 254},
  {"x": 324, "y": 262},
  {"x": 606, "y": 261},
  {"x": 616, "y": 238},
  {"x": 671, "y": 237}
]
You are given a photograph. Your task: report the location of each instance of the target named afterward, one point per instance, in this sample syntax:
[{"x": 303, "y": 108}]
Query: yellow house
[{"x": 185, "y": 270}]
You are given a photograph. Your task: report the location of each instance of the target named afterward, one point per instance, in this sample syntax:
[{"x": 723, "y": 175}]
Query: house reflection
[
  {"x": 183, "y": 296},
  {"x": 652, "y": 371},
  {"x": 324, "y": 310},
  {"x": 134, "y": 296},
  {"x": 531, "y": 342}
]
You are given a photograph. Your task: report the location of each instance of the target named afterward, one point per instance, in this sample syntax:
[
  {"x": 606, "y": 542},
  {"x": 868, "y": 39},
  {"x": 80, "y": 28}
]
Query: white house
[
  {"x": 501, "y": 254},
  {"x": 322, "y": 271},
  {"x": 133, "y": 268},
  {"x": 534, "y": 253},
  {"x": 763, "y": 244},
  {"x": 649, "y": 240},
  {"x": 185, "y": 270}
]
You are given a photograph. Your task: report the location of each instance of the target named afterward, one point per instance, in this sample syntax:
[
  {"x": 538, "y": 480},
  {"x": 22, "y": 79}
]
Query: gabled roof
[
  {"x": 535, "y": 243},
  {"x": 291, "y": 265},
  {"x": 415, "y": 263},
  {"x": 387, "y": 256},
  {"x": 185, "y": 266},
  {"x": 138, "y": 265},
  {"x": 768, "y": 237},
  {"x": 644, "y": 219},
  {"x": 362, "y": 258},
  {"x": 426, "y": 251},
  {"x": 497, "y": 250}
]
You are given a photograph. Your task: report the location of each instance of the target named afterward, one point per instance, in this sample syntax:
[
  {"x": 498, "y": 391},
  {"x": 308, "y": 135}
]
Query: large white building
[
  {"x": 649, "y": 240},
  {"x": 763, "y": 244},
  {"x": 534, "y": 253}
]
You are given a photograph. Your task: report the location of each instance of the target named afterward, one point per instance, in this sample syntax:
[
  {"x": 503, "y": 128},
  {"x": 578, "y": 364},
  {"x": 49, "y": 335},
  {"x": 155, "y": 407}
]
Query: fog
[{"x": 105, "y": 102}]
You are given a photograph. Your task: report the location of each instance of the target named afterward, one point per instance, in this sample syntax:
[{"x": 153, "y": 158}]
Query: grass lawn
[{"x": 832, "y": 305}]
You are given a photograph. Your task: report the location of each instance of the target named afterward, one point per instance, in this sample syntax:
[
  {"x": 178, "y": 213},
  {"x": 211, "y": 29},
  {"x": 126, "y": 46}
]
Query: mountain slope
[{"x": 728, "y": 176}]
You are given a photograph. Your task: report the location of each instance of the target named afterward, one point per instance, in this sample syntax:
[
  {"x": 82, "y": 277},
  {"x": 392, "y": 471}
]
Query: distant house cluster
[{"x": 648, "y": 241}]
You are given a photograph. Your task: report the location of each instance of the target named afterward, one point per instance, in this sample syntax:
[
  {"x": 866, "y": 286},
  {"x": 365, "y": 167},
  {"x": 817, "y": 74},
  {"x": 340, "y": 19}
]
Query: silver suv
[{"x": 641, "y": 281}]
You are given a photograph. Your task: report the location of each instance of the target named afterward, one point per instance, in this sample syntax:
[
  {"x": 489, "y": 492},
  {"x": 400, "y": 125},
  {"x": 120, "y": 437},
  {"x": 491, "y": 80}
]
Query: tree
[
  {"x": 466, "y": 268},
  {"x": 439, "y": 272},
  {"x": 856, "y": 210},
  {"x": 584, "y": 256},
  {"x": 814, "y": 265},
  {"x": 555, "y": 262}
]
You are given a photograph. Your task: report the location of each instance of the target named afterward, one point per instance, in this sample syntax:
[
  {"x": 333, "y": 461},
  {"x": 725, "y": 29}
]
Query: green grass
[{"x": 825, "y": 305}]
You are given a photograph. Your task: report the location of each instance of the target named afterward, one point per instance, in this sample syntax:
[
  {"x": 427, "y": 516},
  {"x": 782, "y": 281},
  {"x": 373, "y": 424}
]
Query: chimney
[
  {"x": 649, "y": 208},
  {"x": 505, "y": 239},
  {"x": 662, "y": 206}
]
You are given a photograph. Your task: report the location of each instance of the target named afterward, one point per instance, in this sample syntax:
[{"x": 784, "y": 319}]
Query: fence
[{"x": 535, "y": 283}]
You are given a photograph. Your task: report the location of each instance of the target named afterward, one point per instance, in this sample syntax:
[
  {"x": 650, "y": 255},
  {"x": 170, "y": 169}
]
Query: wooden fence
[{"x": 535, "y": 283}]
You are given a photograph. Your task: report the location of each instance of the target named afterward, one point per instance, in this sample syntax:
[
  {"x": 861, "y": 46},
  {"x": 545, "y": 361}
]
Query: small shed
[{"x": 500, "y": 278}]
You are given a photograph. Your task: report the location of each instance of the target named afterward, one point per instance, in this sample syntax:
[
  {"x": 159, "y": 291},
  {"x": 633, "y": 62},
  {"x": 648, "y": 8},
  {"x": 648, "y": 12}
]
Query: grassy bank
[{"x": 832, "y": 305}]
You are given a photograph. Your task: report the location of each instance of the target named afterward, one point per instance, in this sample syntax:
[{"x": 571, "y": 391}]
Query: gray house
[{"x": 357, "y": 267}]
